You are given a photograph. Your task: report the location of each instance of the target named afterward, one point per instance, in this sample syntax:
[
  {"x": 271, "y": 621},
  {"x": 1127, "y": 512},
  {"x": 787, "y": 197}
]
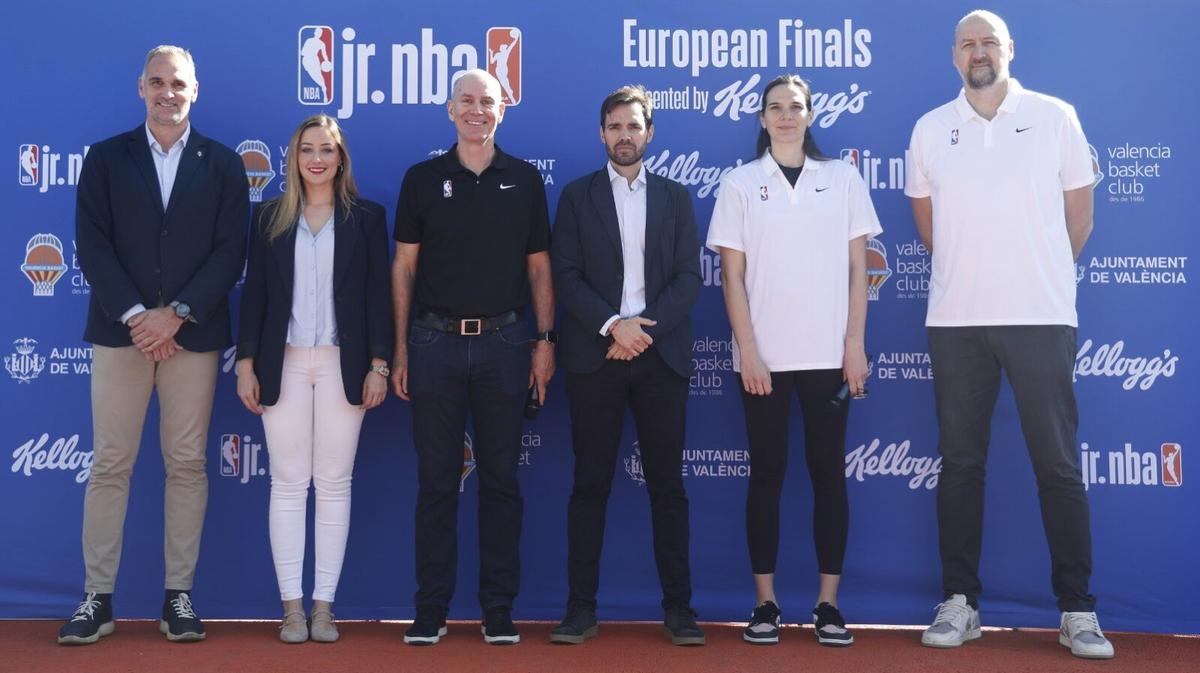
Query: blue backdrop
[{"x": 876, "y": 67}]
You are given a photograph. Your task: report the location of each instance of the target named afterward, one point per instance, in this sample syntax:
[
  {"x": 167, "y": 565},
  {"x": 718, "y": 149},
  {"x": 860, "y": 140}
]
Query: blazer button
[{"x": 164, "y": 232}]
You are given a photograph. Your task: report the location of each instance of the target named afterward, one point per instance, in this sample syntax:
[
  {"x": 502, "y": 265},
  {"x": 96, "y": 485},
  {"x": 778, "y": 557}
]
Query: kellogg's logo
[
  {"x": 44, "y": 263},
  {"x": 893, "y": 461},
  {"x": 504, "y": 47},
  {"x": 1109, "y": 361},
  {"x": 314, "y": 83},
  {"x": 256, "y": 157},
  {"x": 62, "y": 454}
]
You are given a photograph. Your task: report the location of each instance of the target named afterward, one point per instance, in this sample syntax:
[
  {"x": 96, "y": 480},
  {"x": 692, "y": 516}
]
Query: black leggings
[{"x": 824, "y": 451}]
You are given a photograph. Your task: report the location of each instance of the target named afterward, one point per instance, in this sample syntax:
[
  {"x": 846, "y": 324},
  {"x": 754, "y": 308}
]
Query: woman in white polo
[{"x": 791, "y": 228}]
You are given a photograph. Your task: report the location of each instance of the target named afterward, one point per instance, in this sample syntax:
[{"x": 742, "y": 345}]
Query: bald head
[
  {"x": 983, "y": 16},
  {"x": 491, "y": 84},
  {"x": 982, "y": 51}
]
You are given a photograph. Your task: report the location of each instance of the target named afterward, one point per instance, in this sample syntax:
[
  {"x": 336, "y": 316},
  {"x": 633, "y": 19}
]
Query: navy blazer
[
  {"x": 362, "y": 297},
  {"x": 589, "y": 269},
  {"x": 133, "y": 251}
]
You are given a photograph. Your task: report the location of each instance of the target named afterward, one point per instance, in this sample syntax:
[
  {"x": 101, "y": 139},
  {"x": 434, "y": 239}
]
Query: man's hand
[
  {"x": 400, "y": 371},
  {"x": 617, "y": 352},
  {"x": 163, "y": 352},
  {"x": 541, "y": 369},
  {"x": 628, "y": 333},
  {"x": 152, "y": 328}
]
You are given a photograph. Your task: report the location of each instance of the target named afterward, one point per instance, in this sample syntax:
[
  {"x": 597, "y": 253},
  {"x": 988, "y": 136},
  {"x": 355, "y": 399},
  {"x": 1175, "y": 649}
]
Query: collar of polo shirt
[
  {"x": 452, "y": 164},
  {"x": 1012, "y": 100},
  {"x": 770, "y": 167}
]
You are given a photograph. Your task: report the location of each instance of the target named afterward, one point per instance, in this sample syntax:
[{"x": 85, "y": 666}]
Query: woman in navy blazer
[{"x": 314, "y": 340}]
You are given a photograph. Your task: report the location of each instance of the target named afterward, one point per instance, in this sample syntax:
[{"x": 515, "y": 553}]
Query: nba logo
[
  {"x": 1172, "y": 464},
  {"x": 762, "y": 193},
  {"x": 504, "y": 60},
  {"x": 954, "y": 137},
  {"x": 231, "y": 455},
  {"x": 850, "y": 157},
  {"x": 447, "y": 189},
  {"x": 314, "y": 84},
  {"x": 27, "y": 158}
]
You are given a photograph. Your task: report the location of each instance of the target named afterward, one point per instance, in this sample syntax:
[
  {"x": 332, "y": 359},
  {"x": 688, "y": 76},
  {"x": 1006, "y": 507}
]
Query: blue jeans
[{"x": 449, "y": 375}]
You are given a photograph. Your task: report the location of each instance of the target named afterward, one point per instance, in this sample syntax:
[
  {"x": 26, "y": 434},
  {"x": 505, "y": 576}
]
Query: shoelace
[
  {"x": 1083, "y": 622},
  {"x": 765, "y": 613},
  {"x": 183, "y": 606},
  {"x": 86, "y": 609},
  {"x": 952, "y": 612}
]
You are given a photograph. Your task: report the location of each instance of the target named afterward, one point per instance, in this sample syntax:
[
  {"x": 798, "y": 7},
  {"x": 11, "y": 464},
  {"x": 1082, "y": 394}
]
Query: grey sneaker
[
  {"x": 322, "y": 627},
  {"x": 1081, "y": 632},
  {"x": 955, "y": 623},
  {"x": 293, "y": 629}
]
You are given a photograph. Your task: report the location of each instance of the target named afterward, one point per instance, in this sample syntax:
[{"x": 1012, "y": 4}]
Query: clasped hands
[
  {"x": 629, "y": 341},
  {"x": 153, "y": 332}
]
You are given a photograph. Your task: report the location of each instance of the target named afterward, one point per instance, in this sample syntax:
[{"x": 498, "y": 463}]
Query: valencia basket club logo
[
  {"x": 28, "y": 161},
  {"x": 504, "y": 47},
  {"x": 878, "y": 270},
  {"x": 314, "y": 84},
  {"x": 256, "y": 157},
  {"x": 44, "y": 263}
]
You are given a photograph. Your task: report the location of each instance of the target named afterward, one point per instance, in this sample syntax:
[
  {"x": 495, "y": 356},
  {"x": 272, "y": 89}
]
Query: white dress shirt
[
  {"x": 313, "y": 322},
  {"x": 631, "y": 218},
  {"x": 166, "y": 164}
]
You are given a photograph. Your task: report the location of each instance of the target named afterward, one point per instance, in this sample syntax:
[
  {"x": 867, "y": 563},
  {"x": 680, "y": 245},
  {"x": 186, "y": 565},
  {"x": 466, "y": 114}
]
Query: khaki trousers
[{"x": 122, "y": 380}]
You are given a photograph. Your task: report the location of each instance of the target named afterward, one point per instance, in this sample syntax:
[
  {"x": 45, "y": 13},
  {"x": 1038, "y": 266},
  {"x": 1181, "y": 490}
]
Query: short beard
[
  {"x": 637, "y": 155},
  {"x": 982, "y": 81}
]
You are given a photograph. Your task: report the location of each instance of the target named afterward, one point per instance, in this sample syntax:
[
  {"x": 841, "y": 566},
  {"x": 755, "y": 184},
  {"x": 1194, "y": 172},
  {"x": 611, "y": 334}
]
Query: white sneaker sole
[
  {"x": 499, "y": 640},
  {"x": 425, "y": 640},
  {"x": 1066, "y": 642},
  {"x": 185, "y": 637},
  {"x": 971, "y": 634},
  {"x": 105, "y": 629},
  {"x": 760, "y": 640},
  {"x": 831, "y": 641}
]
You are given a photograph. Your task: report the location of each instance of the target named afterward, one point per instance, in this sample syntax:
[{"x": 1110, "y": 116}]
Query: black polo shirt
[{"x": 475, "y": 232}]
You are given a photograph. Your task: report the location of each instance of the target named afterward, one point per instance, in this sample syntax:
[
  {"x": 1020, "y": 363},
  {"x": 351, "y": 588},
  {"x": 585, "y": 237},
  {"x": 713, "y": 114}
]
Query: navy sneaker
[
  {"x": 830, "y": 627},
  {"x": 577, "y": 626},
  {"x": 428, "y": 628},
  {"x": 679, "y": 624},
  {"x": 763, "y": 628},
  {"x": 179, "y": 621},
  {"x": 498, "y": 627},
  {"x": 92, "y": 620}
]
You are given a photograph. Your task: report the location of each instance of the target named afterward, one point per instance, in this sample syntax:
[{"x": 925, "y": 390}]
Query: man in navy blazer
[
  {"x": 161, "y": 235},
  {"x": 625, "y": 255}
]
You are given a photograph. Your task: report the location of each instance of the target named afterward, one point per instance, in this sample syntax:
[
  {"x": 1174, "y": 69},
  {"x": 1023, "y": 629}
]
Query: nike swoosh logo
[
  {"x": 821, "y": 189},
  {"x": 504, "y": 186},
  {"x": 1024, "y": 129}
]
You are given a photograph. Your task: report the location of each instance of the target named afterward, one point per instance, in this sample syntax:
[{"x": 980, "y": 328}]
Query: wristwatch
[
  {"x": 182, "y": 311},
  {"x": 549, "y": 336},
  {"x": 382, "y": 370}
]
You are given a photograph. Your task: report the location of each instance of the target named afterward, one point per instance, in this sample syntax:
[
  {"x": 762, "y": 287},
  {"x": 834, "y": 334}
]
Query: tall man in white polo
[{"x": 1001, "y": 186}]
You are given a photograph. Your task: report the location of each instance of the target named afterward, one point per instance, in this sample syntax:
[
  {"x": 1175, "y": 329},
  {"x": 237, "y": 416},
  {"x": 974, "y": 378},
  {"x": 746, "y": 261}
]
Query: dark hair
[
  {"x": 628, "y": 95},
  {"x": 764, "y": 138}
]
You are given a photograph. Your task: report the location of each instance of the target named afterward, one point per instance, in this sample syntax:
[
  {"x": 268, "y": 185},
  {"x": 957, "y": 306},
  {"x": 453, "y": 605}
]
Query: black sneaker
[
  {"x": 577, "y": 626},
  {"x": 428, "y": 628},
  {"x": 763, "y": 628},
  {"x": 179, "y": 621},
  {"x": 92, "y": 619},
  {"x": 679, "y": 623},
  {"x": 498, "y": 627},
  {"x": 830, "y": 627}
]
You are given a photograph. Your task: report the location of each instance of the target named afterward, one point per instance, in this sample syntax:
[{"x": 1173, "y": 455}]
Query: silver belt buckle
[{"x": 470, "y": 326}]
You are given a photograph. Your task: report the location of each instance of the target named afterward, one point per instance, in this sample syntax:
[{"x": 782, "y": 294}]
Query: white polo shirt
[
  {"x": 797, "y": 246},
  {"x": 1001, "y": 253}
]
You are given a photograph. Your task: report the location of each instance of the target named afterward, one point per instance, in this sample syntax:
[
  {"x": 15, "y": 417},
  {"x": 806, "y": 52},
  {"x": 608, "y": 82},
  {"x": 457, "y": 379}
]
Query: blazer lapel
[
  {"x": 606, "y": 207},
  {"x": 284, "y": 248},
  {"x": 194, "y": 154},
  {"x": 656, "y": 209},
  {"x": 139, "y": 148},
  {"x": 344, "y": 239}
]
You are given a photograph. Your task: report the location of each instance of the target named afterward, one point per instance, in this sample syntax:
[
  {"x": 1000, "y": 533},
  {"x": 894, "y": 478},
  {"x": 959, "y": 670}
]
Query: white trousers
[{"x": 312, "y": 435}]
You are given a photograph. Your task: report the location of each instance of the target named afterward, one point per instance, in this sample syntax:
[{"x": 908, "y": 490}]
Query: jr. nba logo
[
  {"x": 1172, "y": 464},
  {"x": 28, "y": 158},
  {"x": 504, "y": 47},
  {"x": 315, "y": 72},
  {"x": 231, "y": 455},
  {"x": 850, "y": 156}
]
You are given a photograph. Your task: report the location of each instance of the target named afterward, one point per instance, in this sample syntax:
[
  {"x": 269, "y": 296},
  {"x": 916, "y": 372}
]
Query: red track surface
[{"x": 233, "y": 647}]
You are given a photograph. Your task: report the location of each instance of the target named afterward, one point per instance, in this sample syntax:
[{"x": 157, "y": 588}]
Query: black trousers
[
  {"x": 1038, "y": 360},
  {"x": 449, "y": 375},
  {"x": 657, "y": 395},
  {"x": 824, "y": 451}
]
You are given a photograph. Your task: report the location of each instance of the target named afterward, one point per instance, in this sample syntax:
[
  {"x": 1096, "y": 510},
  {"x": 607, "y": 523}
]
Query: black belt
[{"x": 466, "y": 326}]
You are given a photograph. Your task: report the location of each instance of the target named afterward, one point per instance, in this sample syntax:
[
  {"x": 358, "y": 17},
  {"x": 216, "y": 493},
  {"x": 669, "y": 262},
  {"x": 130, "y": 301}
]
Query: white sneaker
[
  {"x": 955, "y": 623},
  {"x": 1081, "y": 632}
]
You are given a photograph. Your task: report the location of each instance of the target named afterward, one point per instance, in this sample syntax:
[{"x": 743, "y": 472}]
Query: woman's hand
[
  {"x": 374, "y": 391},
  {"x": 854, "y": 368},
  {"x": 247, "y": 386},
  {"x": 756, "y": 378}
]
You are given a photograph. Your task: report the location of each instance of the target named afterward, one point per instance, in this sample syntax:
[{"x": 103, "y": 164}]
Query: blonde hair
[{"x": 285, "y": 210}]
